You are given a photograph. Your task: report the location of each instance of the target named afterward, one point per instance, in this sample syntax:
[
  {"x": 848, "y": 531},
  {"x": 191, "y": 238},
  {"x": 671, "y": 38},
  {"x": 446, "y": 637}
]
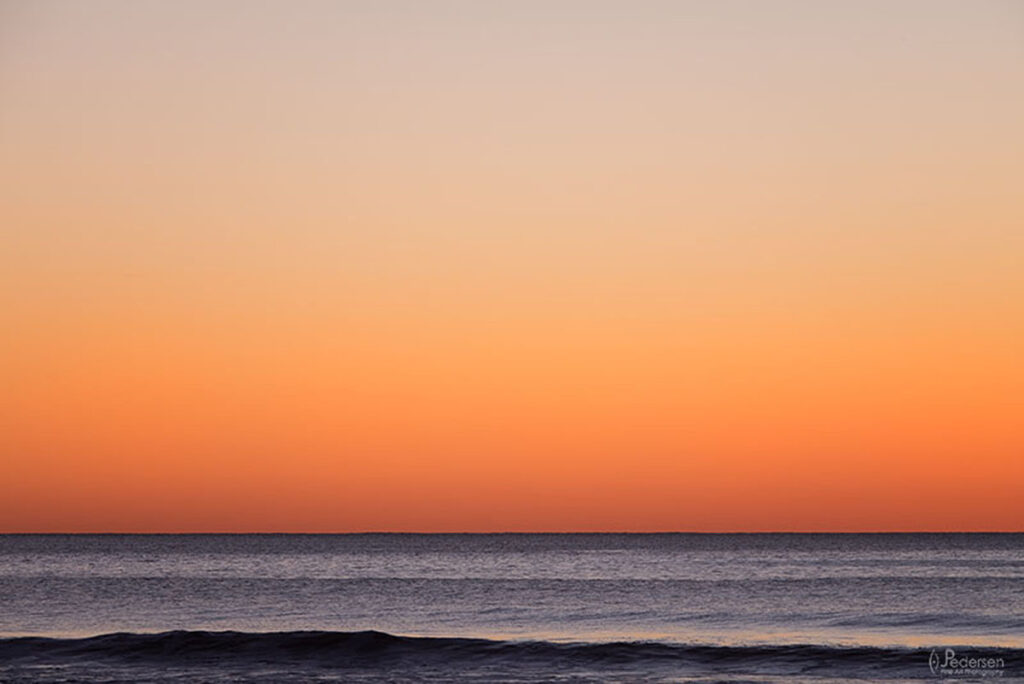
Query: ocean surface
[{"x": 511, "y": 607}]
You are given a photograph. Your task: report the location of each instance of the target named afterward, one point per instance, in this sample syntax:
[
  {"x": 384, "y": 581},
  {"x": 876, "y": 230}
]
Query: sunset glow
[{"x": 405, "y": 266}]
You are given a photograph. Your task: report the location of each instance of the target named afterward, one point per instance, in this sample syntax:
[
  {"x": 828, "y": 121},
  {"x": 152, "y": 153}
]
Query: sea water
[{"x": 527, "y": 607}]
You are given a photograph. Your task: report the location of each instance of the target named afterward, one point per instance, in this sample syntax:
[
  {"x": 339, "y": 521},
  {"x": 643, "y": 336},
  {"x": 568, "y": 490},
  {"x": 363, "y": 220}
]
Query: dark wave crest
[{"x": 373, "y": 650}]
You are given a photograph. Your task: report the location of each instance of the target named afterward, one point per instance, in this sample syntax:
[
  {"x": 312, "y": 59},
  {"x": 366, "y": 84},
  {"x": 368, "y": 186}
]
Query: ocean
[{"x": 511, "y": 607}]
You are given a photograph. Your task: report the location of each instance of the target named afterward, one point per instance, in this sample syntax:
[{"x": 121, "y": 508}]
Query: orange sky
[{"x": 511, "y": 266}]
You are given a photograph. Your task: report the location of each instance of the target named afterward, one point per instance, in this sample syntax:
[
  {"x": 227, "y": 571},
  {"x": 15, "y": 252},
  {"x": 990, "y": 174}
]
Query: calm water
[{"x": 846, "y": 606}]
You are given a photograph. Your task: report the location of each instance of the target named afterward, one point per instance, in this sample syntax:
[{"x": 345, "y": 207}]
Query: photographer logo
[{"x": 948, "y": 663}]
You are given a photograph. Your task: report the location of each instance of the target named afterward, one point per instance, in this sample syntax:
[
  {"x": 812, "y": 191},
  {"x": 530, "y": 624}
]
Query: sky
[{"x": 511, "y": 266}]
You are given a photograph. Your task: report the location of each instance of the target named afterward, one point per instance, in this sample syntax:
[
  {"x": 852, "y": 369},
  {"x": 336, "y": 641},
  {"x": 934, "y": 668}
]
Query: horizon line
[{"x": 579, "y": 532}]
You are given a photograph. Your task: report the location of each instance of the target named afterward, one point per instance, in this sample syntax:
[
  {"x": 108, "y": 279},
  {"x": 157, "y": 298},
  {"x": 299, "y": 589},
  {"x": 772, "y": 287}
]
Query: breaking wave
[{"x": 372, "y": 650}]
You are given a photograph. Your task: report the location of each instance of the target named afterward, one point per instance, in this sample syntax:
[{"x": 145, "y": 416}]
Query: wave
[{"x": 372, "y": 650}]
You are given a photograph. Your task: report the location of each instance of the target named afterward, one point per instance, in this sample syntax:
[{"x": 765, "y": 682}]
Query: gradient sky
[{"x": 511, "y": 266}]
